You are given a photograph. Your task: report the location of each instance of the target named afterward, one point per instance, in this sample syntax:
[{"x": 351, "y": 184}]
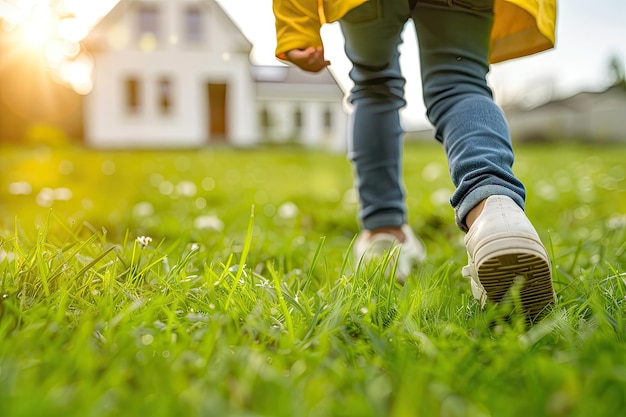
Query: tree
[{"x": 616, "y": 72}]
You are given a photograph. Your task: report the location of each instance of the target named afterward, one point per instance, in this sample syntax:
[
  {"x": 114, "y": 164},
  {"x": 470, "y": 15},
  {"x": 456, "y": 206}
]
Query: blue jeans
[{"x": 453, "y": 38}]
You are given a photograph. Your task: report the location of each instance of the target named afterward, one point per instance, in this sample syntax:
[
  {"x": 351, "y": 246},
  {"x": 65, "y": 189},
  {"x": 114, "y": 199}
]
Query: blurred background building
[{"x": 591, "y": 116}]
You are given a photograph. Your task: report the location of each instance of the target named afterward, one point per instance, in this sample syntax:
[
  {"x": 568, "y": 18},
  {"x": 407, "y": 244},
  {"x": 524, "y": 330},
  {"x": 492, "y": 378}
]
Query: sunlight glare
[
  {"x": 72, "y": 29},
  {"x": 9, "y": 15},
  {"x": 74, "y": 6},
  {"x": 72, "y": 49},
  {"x": 55, "y": 53},
  {"x": 36, "y": 31},
  {"x": 55, "y": 29},
  {"x": 77, "y": 73}
]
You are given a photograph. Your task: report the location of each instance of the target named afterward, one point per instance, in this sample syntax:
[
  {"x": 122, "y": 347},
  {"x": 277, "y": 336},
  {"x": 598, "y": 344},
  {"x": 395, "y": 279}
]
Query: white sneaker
[
  {"x": 403, "y": 255},
  {"x": 504, "y": 248}
]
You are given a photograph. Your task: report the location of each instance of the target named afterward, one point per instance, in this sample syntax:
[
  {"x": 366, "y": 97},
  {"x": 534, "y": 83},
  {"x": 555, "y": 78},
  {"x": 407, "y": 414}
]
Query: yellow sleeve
[
  {"x": 522, "y": 27},
  {"x": 298, "y": 24}
]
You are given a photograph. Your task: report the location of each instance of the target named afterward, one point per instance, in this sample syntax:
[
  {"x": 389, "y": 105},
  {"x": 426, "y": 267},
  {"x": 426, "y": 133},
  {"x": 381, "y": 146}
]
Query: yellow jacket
[{"x": 521, "y": 27}]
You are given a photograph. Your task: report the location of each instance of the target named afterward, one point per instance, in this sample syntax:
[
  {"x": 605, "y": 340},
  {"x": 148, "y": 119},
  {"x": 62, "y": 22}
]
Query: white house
[
  {"x": 594, "y": 116},
  {"x": 177, "y": 73},
  {"x": 300, "y": 107}
]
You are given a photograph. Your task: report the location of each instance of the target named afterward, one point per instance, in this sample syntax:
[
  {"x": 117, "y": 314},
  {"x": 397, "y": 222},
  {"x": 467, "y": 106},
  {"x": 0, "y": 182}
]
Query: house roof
[
  {"x": 584, "y": 99},
  {"x": 231, "y": 21},
  {"x": 290, "y": 74},
  {"x": 122, "y": 6},
  {"x": 579, "y": 101}
]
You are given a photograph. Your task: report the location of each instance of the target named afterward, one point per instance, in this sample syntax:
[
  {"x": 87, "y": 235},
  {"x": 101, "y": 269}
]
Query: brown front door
[{"x": 216, "y": 94}]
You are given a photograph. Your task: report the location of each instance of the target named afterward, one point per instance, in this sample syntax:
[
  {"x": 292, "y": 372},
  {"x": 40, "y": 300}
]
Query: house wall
[
  {"x": 608, "y": 121},
  {"x": 108, "y": 123},
  {"x": 282, "y": 102},
  {"x": 313, "y": 131},
  {"x": 544, "y": 125}
]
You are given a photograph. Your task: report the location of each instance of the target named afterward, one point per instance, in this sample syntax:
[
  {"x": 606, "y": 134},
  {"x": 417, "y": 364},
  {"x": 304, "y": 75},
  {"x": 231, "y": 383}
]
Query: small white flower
[
  {"x": 62, "y": 194},
  {"x": 147, "y": 339},
  {"x": 209, "y": 222},
  {"x": 144, "y": 241},
  {"x": 433, "y": 171},
  {"x": 441, "y": 196},
  {"x": 45, "y": 197},
  {"x": 616, "y": 221},
  {"x": 288, "y": 210},
  {"x": 350, "y": 197},
  {"x": 143, "y": 209},
  {"x": 186, "y": 188},
  {"x": 108, "y": 167},
  {"x": 20, "y": 188},
  {"x": 9, "y": 256}
]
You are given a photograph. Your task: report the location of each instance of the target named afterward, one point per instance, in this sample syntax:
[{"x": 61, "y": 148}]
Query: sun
[
  {"x": 36, "y": 32},
  {"x": 54, "y": 35},
  {"x": 42, "y": 26}
]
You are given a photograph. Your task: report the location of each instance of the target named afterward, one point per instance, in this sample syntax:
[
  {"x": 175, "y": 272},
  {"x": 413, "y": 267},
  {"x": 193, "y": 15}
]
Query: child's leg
[
  {"x": 454, "y": 49},
  {"x": 372, "y": 35},
  {"x": 502, "y": 245}
]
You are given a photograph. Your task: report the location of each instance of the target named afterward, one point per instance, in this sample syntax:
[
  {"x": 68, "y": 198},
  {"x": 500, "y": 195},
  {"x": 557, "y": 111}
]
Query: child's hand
[{"x": 309, "y": 59}]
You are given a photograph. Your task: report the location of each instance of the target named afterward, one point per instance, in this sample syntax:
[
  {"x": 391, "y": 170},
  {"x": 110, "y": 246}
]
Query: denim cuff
[
  {"x": 384, "y": 219},
  {"x": 479, "y": 194}
]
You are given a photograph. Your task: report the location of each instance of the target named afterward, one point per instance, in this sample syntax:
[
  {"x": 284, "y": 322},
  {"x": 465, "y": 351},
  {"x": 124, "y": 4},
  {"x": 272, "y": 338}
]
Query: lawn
[{"x": 219, "y": 282}]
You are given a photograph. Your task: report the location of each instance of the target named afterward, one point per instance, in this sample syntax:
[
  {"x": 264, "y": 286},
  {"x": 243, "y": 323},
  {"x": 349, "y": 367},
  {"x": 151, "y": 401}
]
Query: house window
[
  {"x": 132, "y": 92},
  {"x": 328, "y": 118},
  {"x": 266, "y": 120},
  {"x": 193, "y": 24},
  {"x": 148, "y": 20},
  {"x": 164, "y": 91},
  {"x": 297, "y": 118}
]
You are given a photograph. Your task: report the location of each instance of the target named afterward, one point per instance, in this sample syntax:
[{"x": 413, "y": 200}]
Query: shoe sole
[{"x": 522, "y": 260}]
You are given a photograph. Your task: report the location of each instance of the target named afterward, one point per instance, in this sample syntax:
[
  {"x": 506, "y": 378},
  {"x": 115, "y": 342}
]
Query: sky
[{"x": 587, "y": 37}]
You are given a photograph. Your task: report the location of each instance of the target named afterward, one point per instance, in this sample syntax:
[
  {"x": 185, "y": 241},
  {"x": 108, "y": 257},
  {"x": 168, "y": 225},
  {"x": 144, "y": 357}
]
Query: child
[{"x": 458, "y": 39}]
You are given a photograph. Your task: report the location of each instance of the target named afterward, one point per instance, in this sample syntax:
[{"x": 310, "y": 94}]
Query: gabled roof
[
  {"x": 292, "y": 75},
  {"x": 123, "y": 5},
  {"x": 230, "y": 21}
]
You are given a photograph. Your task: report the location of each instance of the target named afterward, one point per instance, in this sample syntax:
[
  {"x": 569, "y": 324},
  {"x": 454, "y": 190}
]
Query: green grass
[{"x": 245, "y": 303}]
